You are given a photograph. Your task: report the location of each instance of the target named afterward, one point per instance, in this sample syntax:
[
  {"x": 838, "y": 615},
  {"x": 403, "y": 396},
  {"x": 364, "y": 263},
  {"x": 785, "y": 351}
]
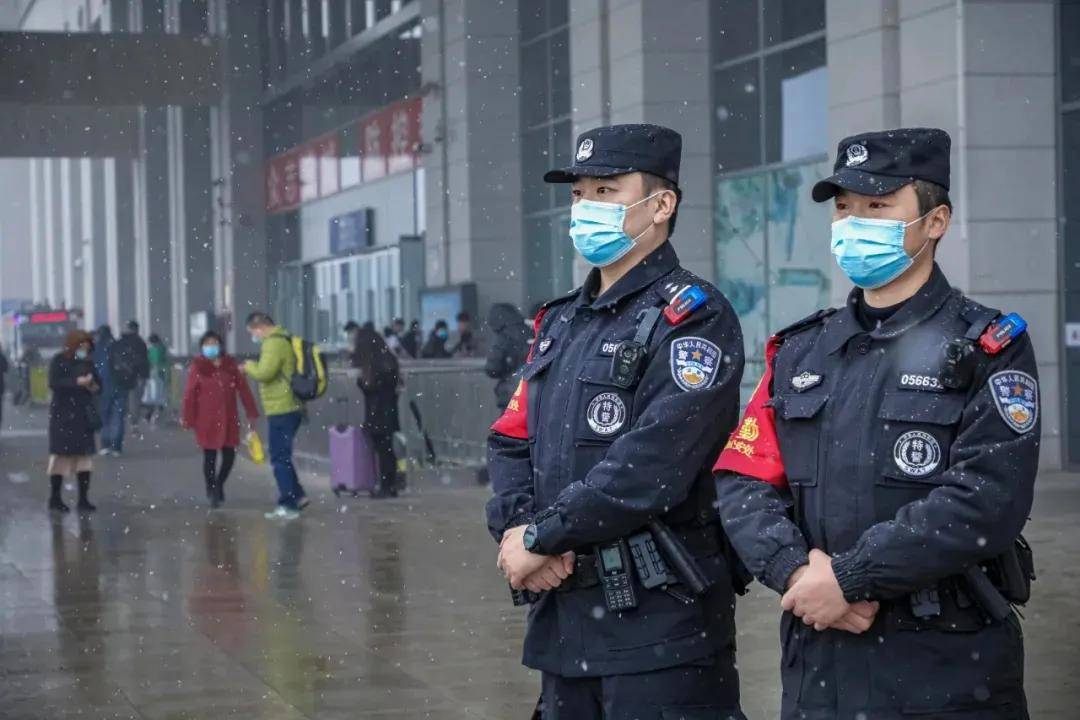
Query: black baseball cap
[
  {"x": 878, "y": 163},
  {"x": 621, "y": 149}
]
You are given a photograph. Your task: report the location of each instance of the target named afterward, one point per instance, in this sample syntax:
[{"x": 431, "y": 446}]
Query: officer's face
[
  {"x": 627, "y": 190},
  {"x": 900, "y": 205}
]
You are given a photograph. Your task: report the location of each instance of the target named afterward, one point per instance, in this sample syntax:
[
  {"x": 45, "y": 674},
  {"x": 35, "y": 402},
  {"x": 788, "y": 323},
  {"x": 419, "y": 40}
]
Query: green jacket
[{"x": 276, "y": 366}]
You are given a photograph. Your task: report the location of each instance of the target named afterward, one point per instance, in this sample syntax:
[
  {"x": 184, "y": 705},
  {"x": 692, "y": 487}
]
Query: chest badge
[
  {"x": 1016, "y": 396},
  {"x": 545, "y": 345},
  {"x": 805, "y": 380},
  {"x": 917, "y": 453},
  {"x": 606, "y": 414},
  {"x": 694, "y": 363}
]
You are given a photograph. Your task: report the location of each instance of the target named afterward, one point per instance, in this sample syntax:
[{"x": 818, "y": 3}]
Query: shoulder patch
[
  {"x": 695, "y": 363},
  {"x": 1016, "y": 397}
]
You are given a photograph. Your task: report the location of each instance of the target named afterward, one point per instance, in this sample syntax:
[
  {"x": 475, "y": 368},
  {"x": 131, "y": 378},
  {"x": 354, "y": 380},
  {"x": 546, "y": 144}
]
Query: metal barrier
[{"x": 455, "y": 400}]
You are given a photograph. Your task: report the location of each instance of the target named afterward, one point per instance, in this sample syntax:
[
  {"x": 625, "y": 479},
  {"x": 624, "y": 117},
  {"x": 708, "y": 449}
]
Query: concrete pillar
[
  {"x": 637, "y": 61},
  {"x": 471, "y": 123}
]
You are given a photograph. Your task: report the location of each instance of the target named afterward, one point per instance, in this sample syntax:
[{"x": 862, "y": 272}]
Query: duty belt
[{"x": 700, "y": 542}]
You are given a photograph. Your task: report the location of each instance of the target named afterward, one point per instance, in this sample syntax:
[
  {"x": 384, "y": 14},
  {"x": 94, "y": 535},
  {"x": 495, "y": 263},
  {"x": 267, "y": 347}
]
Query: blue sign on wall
[{"x": 352, "y": 232}]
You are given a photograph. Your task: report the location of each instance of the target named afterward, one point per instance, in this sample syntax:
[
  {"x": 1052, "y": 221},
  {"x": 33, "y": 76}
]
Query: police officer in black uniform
[
  {"x": 629, "y": 392},
  {"x": 908, "y": 430}
]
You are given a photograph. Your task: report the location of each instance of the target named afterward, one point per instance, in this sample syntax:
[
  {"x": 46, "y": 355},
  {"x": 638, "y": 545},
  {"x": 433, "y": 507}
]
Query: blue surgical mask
[
  {"x": 442, "y": 334},
  {"x": 81, "y": 354},
  {"x": 211, "y": 352},
  {"x": 597, "y": 230},
  {"x": 870, "y": 251},
  {"x": 256, "y": 339}
]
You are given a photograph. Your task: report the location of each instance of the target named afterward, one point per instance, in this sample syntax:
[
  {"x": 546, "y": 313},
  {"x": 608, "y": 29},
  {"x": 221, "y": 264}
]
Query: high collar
[
  {"x": 844, "y": 325},
  {"x": 654, "y": 266}
]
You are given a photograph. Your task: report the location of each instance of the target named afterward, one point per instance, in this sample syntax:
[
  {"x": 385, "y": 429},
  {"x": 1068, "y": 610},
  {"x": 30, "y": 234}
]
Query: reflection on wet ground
[{"x": 156, "y": 607}]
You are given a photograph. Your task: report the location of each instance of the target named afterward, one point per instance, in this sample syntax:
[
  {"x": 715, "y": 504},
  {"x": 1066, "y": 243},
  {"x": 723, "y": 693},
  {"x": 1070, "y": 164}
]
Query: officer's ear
[{"x": 937, "y": 223}]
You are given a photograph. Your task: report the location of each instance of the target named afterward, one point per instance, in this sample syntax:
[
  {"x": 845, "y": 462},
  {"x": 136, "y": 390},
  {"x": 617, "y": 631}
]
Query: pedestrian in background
[
  {"x": 435, "y": 347},
  {"x": 413, "y": 340},
  {"x": 509, "y": 346},
  {"x": 73, "y": 418},
  {"x": 128, "y": 366},
  {"x": 155, "y": 391},
  {"x": 132, "y": 344},
  {"x": 4, "y": 367},
  {"x": 466, "y": 343},
  {"x": 215, "y": 382},
  {"x": 378, "y": 380},
  {"x": 284, "y": 413}
]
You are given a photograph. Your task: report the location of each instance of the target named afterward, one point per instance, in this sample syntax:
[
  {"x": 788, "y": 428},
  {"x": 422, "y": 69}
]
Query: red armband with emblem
[
  {"x": 514, "y": 422},
  {"x": 753, "y": 449}
]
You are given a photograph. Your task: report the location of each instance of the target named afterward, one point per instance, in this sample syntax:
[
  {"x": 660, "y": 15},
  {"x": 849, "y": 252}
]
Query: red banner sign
[{"x": 389, "y": 142}]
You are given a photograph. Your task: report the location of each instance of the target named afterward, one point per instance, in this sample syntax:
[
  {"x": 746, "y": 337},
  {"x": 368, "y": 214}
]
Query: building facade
[{"x": 372, "y": 159}]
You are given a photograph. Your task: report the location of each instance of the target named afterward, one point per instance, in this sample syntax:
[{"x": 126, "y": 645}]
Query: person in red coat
[{"x": 214, "y": 382}]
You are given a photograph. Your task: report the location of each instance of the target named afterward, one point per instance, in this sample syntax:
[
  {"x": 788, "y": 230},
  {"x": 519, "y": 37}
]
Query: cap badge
[
  {"x": 857, "y": 155},
  {"x": 584, "y": 151}
]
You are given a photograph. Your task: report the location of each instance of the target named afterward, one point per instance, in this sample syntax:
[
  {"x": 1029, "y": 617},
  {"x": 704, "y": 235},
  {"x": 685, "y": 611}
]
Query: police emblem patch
[
  {"x": 606, "y": 414},
  {"x": 544, "y": 345},
  {"x": 1016, "y": 396},
  {"x": 584, "y": 151},
  {"x": 805, "y": 380},
  {"x": 857, "y": 154},
  {"x": 694, "y": 363},
  {"x": 917, "y": 453}
]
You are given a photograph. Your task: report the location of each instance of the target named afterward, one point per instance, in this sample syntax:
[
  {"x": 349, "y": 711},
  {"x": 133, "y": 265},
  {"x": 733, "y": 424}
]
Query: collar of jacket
[
  {"x": 844, "y": 325},
  {"x": 654, "y": 266}
]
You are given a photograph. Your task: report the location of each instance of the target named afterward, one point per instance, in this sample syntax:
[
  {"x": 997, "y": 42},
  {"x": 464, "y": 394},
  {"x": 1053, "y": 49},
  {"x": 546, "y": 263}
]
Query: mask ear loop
[
  {"x": 645, "y": 199},
  {"x": 919, "y": 219}
]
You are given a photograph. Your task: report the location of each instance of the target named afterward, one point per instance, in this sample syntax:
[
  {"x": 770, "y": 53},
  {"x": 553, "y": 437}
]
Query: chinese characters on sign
[{"x": 388, "y": 142}]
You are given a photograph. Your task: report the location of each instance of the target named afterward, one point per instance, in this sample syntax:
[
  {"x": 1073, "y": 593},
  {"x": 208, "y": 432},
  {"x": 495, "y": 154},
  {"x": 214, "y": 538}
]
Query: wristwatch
[{"x": 530, "y": 537}]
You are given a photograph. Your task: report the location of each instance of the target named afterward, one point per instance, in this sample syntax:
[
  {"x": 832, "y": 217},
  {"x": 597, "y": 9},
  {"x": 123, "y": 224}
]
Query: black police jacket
[
  {"x": 598, "y": 462},
  {"x": 906, "y": 483}
]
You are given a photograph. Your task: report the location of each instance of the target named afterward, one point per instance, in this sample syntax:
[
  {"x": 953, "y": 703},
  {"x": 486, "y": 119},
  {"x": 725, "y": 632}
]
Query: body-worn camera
[{"x": 959, "y": 363}]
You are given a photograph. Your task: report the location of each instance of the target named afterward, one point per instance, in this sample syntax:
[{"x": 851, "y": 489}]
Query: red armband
[
  {"x": 753, "y": 449},
  {"x": 514, "y": 422}
]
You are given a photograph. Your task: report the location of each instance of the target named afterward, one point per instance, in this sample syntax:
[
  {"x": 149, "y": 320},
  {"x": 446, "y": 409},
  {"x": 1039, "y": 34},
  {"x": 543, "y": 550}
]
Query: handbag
[{"x": 255, "y": 448}]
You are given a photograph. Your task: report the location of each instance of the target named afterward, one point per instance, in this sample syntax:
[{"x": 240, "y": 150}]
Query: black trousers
[
  {"x": 689, "y": 692},
  {"x": 213, "y": 475},
  {"x": 383, "y": 445}
]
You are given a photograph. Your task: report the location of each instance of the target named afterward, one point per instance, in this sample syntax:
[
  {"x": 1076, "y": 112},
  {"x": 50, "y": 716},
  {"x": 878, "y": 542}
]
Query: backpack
[
  {"x": 308, "y": 382},
  {"x": 122, "y": 366}
]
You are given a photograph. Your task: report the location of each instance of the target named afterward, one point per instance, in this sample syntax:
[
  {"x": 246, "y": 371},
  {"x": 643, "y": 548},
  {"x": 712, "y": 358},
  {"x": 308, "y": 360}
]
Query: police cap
[
  {"x": 878, "y": 163},
  {"x": 620, "y": 149}
]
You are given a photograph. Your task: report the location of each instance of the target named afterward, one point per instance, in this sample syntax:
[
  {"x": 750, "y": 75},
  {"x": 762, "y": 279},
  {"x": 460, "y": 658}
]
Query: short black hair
[
  {"x": 211, "y": 335},
  {"x": 464, "y": 317},
  {"x": 654, "y": 184},
  {"x": 931, "y": 195},
  {"x": 441, "y": 325},
  {"x": 133, "y": 326},
  {"x": 351, "y": 325},
  {"x": 258, "y": 319}
]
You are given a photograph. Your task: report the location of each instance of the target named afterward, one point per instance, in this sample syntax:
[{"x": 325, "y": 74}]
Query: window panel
[
  {"x": 790, "y": 19},
  {"x": 796, "y": 103},
  {"x": 535, "y": 161},
  {"x": 559, "y": 47},
  {"x": 737, "y": 120},
  {"x": 1070, "y": 51},
  {"x": 734, "y": 28},
  {"x": 534, "y": 84}
]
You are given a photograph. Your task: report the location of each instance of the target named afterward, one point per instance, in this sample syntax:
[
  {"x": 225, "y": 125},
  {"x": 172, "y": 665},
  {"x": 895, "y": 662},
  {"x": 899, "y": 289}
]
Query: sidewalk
[{"x": 156, "y": 607}]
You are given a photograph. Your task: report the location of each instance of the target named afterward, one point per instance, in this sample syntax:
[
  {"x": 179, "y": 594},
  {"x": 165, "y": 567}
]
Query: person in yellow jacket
[{"x": 273, "y": 372}]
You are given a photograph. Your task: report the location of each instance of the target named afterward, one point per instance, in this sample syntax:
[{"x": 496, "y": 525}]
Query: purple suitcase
[{"x": 352, "y": 460}]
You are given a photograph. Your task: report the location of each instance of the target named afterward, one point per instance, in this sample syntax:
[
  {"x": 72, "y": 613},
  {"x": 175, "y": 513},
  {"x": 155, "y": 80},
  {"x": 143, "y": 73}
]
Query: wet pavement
[{"x": 156, "y": 607}]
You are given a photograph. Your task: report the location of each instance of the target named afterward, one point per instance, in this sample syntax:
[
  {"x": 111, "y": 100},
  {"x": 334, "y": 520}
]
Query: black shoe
[
  {"x": 86, "y": 506},
  {"x": 215, "y": 503},
  {"x": 57, "y": 505},
  {"x": 381, "y": 493},
  {"x": 220, "y": 492}
]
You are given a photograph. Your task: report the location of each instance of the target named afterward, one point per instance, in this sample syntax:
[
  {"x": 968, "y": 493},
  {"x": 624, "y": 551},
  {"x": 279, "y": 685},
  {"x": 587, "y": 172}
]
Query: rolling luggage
[{"x": 352, "y": 457}]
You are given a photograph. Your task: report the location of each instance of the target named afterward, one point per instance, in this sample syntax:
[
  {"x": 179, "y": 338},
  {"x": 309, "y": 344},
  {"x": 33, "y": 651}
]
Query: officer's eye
[
  {"x": 841, "y": 206},
  {"x": 875, "y": 205},
  {"x": 576, "y": 193}
]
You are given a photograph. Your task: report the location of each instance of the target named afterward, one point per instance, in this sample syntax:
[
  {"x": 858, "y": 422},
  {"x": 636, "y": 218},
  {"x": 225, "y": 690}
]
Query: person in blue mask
[
  {"x": 885, "y": 467},
  {"x": 605, "y": 450}
]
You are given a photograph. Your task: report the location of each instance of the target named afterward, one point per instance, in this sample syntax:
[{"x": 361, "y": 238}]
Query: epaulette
[
  {"x": 560, "y": 300},
  {"x": 807, "y": 322}
]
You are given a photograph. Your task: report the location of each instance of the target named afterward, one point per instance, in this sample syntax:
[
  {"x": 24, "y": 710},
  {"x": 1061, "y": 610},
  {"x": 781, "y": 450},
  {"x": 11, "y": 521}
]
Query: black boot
[
  {"x": 220, "y": 490},
  {"x": 213, "y": 493},
  {"x": 55, "y": 503},
  {"x": 84, "y": 488}
]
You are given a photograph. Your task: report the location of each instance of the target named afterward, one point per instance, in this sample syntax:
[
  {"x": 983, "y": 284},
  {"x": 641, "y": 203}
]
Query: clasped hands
[
  {"x": 814, "y": 595},
  {"x": 530, "y": 571}
]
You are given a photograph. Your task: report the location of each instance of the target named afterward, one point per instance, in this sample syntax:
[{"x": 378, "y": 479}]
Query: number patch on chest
[{"x": 921, "y": 381}]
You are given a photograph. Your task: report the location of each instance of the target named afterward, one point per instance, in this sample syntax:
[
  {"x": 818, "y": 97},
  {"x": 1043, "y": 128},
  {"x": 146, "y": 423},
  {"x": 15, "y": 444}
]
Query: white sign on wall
[{"x": 1072, "y": 335}]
